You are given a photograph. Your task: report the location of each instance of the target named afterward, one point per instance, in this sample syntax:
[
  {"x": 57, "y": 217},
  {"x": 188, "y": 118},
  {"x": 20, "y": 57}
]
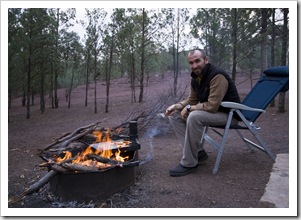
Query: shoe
[
  {"x": 180, "y": 170},
  {"x": 202, "y": 156}
]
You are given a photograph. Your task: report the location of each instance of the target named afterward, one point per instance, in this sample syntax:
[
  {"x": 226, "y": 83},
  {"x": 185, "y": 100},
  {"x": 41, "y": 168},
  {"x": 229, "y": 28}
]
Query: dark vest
[{"x": 202, "y": 90}]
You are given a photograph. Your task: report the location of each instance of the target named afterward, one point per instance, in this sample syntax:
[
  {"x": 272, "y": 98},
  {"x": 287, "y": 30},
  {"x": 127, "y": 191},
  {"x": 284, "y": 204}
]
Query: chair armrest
[{"x": 235, "y": 105}]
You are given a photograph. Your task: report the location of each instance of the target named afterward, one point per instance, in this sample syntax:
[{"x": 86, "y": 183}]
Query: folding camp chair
[{"x": 273, "y": 81}]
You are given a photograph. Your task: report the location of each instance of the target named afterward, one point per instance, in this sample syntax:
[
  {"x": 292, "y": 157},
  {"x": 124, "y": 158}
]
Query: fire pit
[{"x": 94, "y": 166}]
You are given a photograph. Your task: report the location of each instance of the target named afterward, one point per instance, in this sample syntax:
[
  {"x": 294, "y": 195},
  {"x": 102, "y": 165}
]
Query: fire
[{"x": 103, "y": 147}]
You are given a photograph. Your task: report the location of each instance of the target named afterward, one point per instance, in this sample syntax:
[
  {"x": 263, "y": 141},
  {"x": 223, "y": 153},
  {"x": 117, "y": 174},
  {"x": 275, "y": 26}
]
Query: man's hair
[{"x": 191, "y": 52}]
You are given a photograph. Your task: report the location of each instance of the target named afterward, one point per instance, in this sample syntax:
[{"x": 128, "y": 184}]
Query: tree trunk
[
  {"x": 51, "y": 85},
  {"x": 87, "y": 79},
  {"x": 95, "y": 82},
  {"x": 142, "y": 56},
  {"x": 29, "y": 76},
  {"x": 42, "y": 96},
  {"x": 281, "y": 106},
  {"x": 56, "y": 100},
  {"x": 234, "y": 42},
  {"x": 273, "y": 47},
  {"x": 264, "y": 17},
  {"x": 132, "y": 78},
  {"x": 176, "y": 55},
  {"x": 71, "y": 86},
  {"x": 108, "y": 75}
]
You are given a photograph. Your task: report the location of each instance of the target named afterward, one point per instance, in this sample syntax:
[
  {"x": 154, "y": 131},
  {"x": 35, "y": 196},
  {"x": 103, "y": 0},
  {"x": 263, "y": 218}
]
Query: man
[{"x": 210, "y": 85}]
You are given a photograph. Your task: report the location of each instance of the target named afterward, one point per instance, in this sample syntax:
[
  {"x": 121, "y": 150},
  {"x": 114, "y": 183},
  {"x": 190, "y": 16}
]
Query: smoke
[{"x": 150, "y": 134}]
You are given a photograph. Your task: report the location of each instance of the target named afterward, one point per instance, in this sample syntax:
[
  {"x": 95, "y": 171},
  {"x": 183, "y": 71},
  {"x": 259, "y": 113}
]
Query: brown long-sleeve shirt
[{"x": 218, "y": 89}]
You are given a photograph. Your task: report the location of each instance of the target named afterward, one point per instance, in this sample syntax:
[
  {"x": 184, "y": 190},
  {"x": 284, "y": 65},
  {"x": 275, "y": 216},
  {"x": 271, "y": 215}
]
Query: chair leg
[
  {"x": 244, "y": 140},
  {"x": 264, "y": 147},
  {"x": 223, "y": 142},
  {"x": 203, "y": 136}
]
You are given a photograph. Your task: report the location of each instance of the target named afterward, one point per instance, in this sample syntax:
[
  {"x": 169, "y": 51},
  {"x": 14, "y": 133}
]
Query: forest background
[{"x": 44, "y": 55}]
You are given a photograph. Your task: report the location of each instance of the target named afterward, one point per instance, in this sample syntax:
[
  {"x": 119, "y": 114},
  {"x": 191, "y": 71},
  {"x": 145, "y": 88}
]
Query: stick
[
  {"x": 72, "y": 134},
  {"x": 45, "y": 179}
]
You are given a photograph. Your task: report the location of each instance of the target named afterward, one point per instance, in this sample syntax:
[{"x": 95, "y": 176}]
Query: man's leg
[
  {"x": 179, "y": 126},
  {"x": 196, "y": 122}
]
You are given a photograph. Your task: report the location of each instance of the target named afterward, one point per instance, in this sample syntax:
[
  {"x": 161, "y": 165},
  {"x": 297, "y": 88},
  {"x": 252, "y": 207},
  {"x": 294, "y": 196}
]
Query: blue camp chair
[{"x": 273, "y": 81}]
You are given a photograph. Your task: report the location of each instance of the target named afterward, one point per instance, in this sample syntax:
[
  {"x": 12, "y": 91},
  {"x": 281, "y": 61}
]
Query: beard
[{"x": 197, "y": 72}]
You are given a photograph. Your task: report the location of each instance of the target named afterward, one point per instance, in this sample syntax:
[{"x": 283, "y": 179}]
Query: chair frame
[{"x": 219, "y": 146}]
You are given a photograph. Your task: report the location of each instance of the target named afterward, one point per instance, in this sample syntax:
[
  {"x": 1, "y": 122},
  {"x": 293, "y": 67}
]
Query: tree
[
  {"x": 95, "y": 29},
  {"x": 72, "y": 59},
  {"x": 35, "y": 23},
  {"x": 263, "y": 33},
  {"x": 273, "y": 47},
  {"x": 176, "y": 20},
  {"x": 15, "y": 67},
  {"x": 281, "y": 106},
  {"x": 61, "y": 20}
]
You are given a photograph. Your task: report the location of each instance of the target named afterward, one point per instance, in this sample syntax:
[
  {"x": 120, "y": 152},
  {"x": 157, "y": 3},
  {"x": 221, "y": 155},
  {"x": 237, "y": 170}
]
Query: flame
[
  {"x": 119, "y": 158},
  {"x": 67, "y": 155},
  {"x": 104, "y": 149}
]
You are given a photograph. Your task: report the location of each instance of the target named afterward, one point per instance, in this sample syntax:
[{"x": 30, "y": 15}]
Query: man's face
[{"x": 197, "y": 62}]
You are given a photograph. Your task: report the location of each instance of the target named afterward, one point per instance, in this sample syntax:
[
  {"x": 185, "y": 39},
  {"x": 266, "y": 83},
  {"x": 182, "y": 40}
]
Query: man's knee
[{"x": 195, "y": 117}]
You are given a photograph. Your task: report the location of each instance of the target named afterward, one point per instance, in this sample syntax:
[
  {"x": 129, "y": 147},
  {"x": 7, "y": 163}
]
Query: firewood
[
  {"x": 76, "y": 131},
  {"x": 101, "y": 159},
  {"x": 65, "y": 143},
  {"x": 58, "y": 168},
  {"x": 33, "y": 188},
  {"x": 78, "y": 167},
  {"x": 113, "y": 162}
]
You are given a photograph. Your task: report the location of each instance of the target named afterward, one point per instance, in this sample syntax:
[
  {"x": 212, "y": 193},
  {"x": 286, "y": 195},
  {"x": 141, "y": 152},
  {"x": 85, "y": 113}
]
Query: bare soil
[{"x": 240, "y": 182}]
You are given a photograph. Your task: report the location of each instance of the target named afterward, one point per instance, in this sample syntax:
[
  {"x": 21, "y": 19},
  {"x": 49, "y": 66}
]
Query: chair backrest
[{"x": 273, "y": 81}]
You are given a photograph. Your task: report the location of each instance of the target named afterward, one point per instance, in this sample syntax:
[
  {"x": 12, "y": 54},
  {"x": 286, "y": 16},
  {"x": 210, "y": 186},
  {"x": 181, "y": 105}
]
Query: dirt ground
[{"x": 240, "y": 182}]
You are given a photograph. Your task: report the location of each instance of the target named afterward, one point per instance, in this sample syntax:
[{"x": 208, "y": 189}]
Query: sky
[{"x": 80, "y": 15}]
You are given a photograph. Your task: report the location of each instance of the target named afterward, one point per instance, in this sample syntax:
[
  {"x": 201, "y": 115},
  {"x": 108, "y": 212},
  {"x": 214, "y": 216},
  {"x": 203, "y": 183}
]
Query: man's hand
[
  {"x": 170, "y": 110},
  {"x": 184, "y": 113}
]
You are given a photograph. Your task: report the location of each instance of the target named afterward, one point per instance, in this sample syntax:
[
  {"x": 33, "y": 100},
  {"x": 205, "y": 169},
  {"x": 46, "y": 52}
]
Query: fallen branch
[{"x": 45, "y": 179}]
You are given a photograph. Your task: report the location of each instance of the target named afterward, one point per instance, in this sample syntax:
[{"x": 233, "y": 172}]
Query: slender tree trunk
[
  {"x": 174, "y": 64},
  {"x": 234, "y": 42},
  {"x": 87, "y": 79},
  {"x": 95, "y": 82},
  {"x": 281, "y": 106},
  {"x": 42, "y": 96},
  {"x": 273, "y": 47},
  {"x": 51, "y": 85},
  {"x": 264, "y": 39},
  {"x": 28, "y": 78},
  {"x": 56, "y": 100},
  {"x": 142, "y": 56},
  {"x": 132, "y": 77},
  {"x": 108, "y": 75},
  {"x": 71, "y": 86}
]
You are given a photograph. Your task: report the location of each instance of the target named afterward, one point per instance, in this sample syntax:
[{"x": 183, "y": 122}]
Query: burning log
[{"x": 113, "y": 162}]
